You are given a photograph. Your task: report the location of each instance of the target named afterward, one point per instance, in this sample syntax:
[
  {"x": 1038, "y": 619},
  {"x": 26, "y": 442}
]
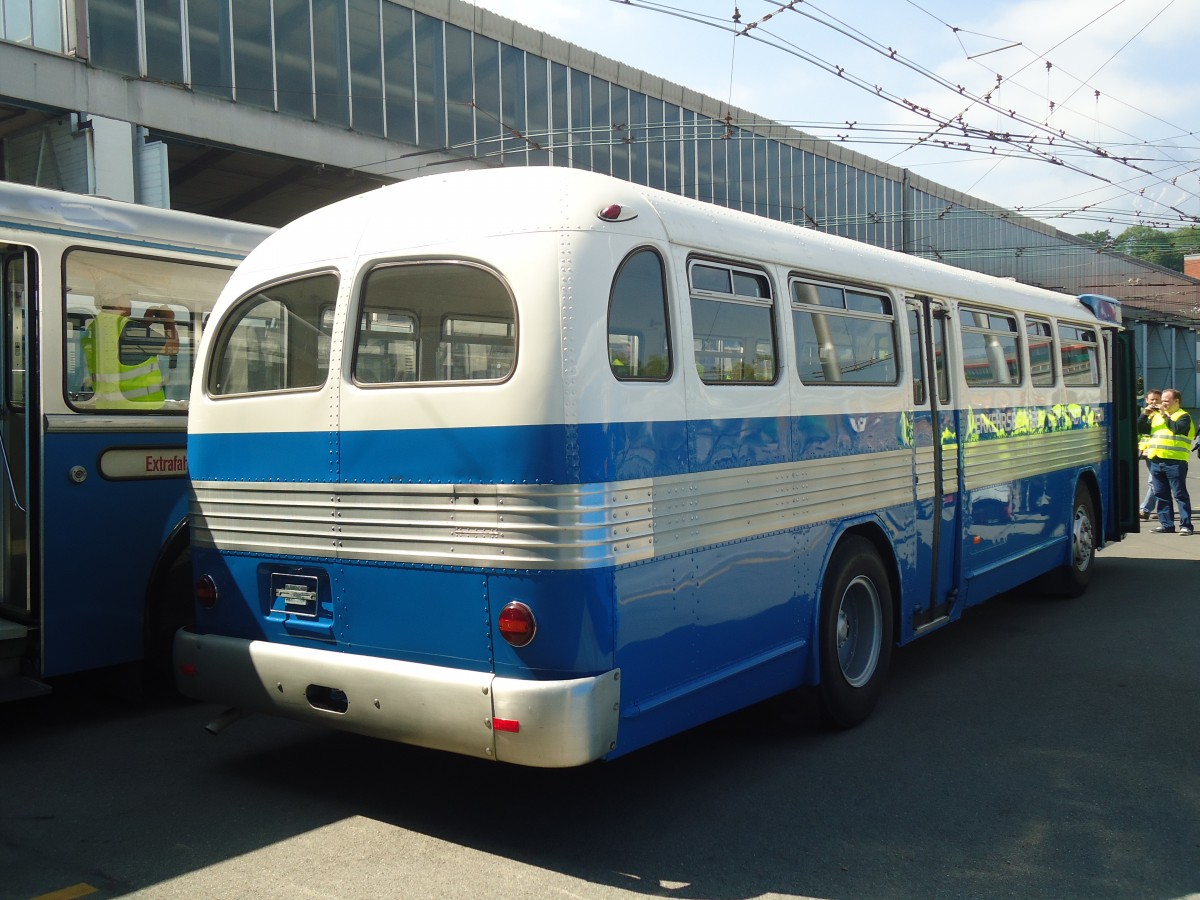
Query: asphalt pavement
[{"x": 1037, "y": 748}]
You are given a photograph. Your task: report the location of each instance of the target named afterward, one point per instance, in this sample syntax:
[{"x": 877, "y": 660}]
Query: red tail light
[
  {"x": 206, "y": 592},
  {"x": 517, "y": 624}
]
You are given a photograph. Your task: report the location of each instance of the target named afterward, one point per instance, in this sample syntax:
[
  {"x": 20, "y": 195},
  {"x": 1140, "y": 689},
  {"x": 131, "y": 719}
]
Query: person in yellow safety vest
[
  {"x": 1148, "y": 506},
  {"x": 1171, "y": 431},
  {"x": 122, "y": 355}
]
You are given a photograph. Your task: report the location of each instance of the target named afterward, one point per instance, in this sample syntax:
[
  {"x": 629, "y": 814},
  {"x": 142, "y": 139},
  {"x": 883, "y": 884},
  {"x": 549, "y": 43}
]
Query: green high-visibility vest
[
  {"x": 1166, "y": 444},
  {"x": 116, "y": 385}
]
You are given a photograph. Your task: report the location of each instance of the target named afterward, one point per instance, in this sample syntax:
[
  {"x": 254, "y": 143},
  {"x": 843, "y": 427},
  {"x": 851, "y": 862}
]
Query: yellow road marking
[{"x": 68, "y": 893}]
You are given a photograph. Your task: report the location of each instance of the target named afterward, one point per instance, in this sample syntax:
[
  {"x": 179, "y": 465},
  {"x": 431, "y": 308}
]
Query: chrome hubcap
[{"x": 859, "y": 631}]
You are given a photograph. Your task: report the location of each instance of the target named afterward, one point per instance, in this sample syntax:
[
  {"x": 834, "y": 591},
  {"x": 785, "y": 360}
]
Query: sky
[{"x": 1099, "y": 99}]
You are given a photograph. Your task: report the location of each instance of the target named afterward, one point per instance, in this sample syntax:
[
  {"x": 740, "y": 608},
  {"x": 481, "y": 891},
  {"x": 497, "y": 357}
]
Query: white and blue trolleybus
[
  {"x": 542, "y": 466},
  {"x": 103, "y": 303}
]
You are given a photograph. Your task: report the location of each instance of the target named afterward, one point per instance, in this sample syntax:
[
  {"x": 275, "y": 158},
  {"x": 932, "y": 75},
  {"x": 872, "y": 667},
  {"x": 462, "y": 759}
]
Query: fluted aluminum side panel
[
  {"x": 535, "y": 526},
  {"x": 1007, "y": 459}
]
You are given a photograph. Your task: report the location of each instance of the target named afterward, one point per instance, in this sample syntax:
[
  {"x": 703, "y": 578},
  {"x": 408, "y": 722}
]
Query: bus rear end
[{"x": 375, "y": 486}]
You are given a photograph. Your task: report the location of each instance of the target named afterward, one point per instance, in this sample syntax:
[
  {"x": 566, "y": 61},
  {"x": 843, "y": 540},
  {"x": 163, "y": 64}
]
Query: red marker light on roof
[
  {"x": 517, "y": 624},
  {"x": 615, "y": 212}
]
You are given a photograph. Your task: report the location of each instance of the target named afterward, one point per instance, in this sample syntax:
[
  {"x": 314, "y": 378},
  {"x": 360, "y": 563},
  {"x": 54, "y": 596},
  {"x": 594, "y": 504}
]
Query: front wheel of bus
[
  {"x": 856, "y": 633},
  {"x": 1077, "y": 574}
]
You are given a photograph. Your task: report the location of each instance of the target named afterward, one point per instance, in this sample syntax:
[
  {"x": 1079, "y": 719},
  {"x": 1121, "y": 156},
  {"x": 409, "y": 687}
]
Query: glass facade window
[
  {"x": 602, "y": 133},
  {"x": 656, "y": 143},
  {"x": 253, "y": 70},
  {"x": 164, "y": 40},
  {"x": 537, "y": 109},
  {"x": 366, "y": 66},
  {"x": 113, "y": 31},
  {"x": 16, "y": 21},
  {"x": 705, "y": 129},
  {"x": 581, "y": 120},
  {"x": 431, "y": 82},
  {"x": 293, "y": 58},
  {"x": 210, "y": 47},
  {"x": 512, "y": 104},
  {"x": 487, "y": 96},
  {"x": 460, "y": 118},
  {"x": 639, "y": 156},
  {"x": 619, "y": 99},
  {"x": 331, "y": 68},
  {"x": 560, "y": 115},
  {"x": 639, "y": 336},
  {"x": 672, "y": 156},
  {"x": 399, "y": 73}
]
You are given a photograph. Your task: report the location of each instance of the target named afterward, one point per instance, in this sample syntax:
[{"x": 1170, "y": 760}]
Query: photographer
[
  {"x": 1148, "y": 505},
  {"x": 1170, "y": 431},
  {"x": 122, "y": 354}
]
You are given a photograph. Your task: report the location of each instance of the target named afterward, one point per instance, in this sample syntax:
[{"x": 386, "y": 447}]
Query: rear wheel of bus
[
  {"x": 855, "y": 632},
  {"x": 170, "y": 608}
]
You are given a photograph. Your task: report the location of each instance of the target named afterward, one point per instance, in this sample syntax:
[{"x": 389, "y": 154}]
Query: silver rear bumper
[{"x": 560, "y": 723}]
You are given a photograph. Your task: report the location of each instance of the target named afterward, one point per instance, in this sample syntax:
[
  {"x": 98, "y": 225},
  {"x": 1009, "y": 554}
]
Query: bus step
[
  {"x": 21, "y": 687},
  {"x": 14, "y": 685},
  {"x": 929, "y": 624}
]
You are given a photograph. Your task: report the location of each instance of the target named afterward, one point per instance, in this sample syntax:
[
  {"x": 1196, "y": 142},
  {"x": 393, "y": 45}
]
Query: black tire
[
  {"x": 1073, "y": 579},
  {"x": 855, "y": 637},
  {"x": 170, "y": 608}
]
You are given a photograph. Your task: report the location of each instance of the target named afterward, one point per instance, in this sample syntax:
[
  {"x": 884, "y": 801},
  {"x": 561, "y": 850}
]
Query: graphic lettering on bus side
[{"x": 144, "y": 462}]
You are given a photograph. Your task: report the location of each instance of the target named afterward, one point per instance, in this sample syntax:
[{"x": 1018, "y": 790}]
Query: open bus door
[
  {"x": 1122, "y": 436},
  {"x": 938, "y": 516},
  {"x": 19, "y": 611}
]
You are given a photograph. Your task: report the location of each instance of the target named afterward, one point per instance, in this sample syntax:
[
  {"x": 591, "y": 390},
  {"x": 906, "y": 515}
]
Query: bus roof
[
  {"x": 456, "y": 207},
  {"x": 35, "y": 209}
]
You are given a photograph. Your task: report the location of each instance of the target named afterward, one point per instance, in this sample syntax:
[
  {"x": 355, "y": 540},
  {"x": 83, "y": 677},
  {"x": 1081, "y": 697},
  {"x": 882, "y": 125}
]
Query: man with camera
[
  {"x": 1171, "y": 432},
  {"x": 122, "y": 354}
]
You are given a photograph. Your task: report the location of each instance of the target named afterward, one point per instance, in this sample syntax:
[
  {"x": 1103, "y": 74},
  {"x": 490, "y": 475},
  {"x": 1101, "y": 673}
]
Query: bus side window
[
  {"x": 1080, "y": 355},
  {"x": 1041, "y": 352},
  {"x": 273, "y": 339},
  {"x": 843, "y": 334},
  {"x": 639, "y": 342},
  {"x": 917, "y": 354},
  {"x": 434, "y": 322},
  {"x": 733, "y": 324},
  {"x": 991, "y": 351}
]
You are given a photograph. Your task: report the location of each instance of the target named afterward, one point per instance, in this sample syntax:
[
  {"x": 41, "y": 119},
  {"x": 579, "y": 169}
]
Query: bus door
[
  {"x": 938, "y": 471},
  {"x": 16, "y": 412},
  {"x": 1120, "y": 517}
]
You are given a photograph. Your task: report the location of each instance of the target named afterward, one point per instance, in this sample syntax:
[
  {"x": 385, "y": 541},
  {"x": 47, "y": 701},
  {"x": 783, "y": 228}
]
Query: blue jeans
[
  {"x": 1170, "y": 478},
  {"x": 1148, "y": 502}
]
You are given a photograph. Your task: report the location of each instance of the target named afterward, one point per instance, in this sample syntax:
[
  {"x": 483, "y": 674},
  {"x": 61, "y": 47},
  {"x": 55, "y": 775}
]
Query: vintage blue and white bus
[
  {"x": 542, "y": 466},
  {"x": 94, "y": 510}
]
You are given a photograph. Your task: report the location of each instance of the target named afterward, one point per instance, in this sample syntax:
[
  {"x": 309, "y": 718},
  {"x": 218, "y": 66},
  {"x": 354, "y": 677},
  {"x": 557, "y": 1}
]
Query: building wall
[{"x": 393, "y": 87}]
